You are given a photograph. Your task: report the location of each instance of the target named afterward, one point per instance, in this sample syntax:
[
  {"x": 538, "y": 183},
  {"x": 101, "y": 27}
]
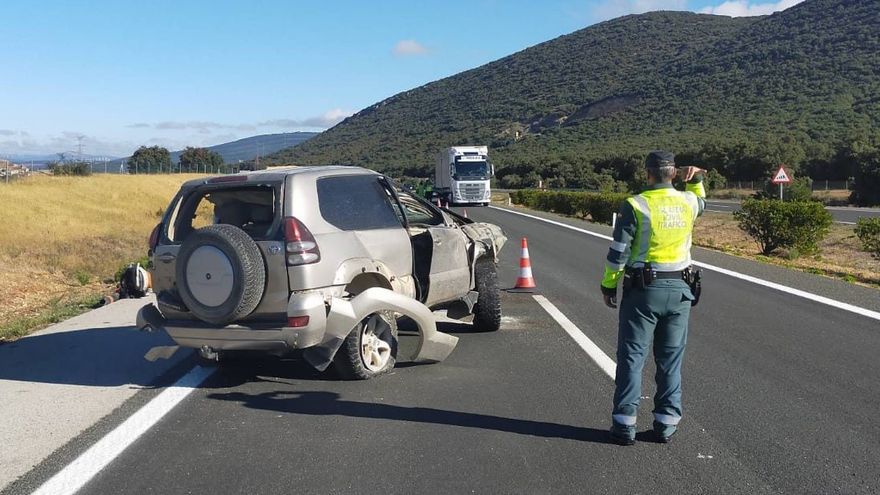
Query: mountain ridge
[{"x": 802, "y": 77}]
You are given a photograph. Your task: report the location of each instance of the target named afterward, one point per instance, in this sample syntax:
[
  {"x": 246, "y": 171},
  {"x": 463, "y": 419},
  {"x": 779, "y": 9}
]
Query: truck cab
[{"x": 462, "y": 175}]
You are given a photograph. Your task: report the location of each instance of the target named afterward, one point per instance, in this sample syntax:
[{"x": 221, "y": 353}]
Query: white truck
[{"x": 462, "y": 175}]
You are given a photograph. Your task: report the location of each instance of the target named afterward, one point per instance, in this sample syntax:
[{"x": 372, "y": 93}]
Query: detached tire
[
  {"x": 220, "y": 274},
  {"x": 487, "y": 311},
  {"x": 370, "y": 349}
]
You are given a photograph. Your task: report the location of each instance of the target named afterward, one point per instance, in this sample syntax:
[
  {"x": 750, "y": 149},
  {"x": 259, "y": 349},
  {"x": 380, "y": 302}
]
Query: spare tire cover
[{"x": 220, "y": 274}]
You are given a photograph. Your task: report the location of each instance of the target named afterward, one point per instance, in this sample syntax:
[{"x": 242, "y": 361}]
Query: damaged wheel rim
[{"x": 375, "y": 343}]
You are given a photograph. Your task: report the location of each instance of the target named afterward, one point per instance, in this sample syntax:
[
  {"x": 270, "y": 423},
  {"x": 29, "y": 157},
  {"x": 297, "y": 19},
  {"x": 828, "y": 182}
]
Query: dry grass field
[{"x": 62, "y": 239}]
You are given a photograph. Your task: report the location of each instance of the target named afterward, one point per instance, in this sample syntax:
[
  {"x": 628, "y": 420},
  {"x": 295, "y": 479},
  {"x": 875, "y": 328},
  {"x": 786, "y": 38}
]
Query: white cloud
[
  {"x": 201, "y": 126},
  {"x": 173, "y": 135},
  {"x": 609, "y": 9},
  {"x": 408, "y": 48},
  {"x": 66, "y": 143},
  {"x": 741, "y": 8},
  {"x": 326, "y": 120}
]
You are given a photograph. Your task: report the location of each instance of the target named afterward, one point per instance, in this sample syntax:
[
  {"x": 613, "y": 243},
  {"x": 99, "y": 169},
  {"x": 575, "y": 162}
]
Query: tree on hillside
[
  {"x": 200, "y": 160},
  {"x": 866, "y": 191},
  {"x": 150, "y": 160}
]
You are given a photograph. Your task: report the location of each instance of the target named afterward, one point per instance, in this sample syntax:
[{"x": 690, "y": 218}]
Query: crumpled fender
[
  {"x": 434, "y": 346},
  {"x": 488, "y": 236}
]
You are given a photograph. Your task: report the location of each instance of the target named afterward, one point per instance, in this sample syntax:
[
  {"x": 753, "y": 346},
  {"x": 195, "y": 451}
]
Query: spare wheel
[{"x": 220, "y": 274}]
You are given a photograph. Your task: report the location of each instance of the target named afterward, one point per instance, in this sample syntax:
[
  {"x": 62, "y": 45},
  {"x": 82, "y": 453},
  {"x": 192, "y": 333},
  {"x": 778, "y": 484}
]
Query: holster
[{"x": 693, "y": 277}]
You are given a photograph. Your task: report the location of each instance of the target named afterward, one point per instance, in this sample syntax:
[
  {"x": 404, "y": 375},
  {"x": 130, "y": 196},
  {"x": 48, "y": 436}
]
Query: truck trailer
[{"x": 462, "y": 175}]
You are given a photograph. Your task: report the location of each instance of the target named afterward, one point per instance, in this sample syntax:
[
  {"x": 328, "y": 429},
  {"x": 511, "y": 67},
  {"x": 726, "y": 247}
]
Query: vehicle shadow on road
[
  {"x": 95, "y": 357},
  {"x": 330, "y": 404}
]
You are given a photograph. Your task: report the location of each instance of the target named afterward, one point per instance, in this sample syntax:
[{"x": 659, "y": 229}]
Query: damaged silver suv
[{"x": 323, "y": 259}]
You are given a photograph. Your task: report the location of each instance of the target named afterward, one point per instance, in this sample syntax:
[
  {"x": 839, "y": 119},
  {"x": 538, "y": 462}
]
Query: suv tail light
[
  {"x": 300, "y": 245},
  {"x": 154, "y": 236}
]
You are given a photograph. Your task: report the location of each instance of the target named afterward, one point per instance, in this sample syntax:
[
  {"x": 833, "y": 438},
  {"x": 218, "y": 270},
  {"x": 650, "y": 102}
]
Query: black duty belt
[{"x": 670, "y": 275}]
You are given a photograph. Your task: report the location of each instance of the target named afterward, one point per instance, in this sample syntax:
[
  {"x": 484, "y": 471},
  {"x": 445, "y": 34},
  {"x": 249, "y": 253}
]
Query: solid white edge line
[
  {"x": 874, "y": 315},
  {"x": 604, "y": 362},
  {"x": 76, "y": 474}
]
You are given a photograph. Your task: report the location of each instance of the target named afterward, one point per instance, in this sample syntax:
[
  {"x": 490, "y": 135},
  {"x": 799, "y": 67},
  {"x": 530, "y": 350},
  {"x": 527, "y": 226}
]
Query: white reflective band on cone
[
  {"x": 667, "y": 419},
  {"x": 525, "y": 253},
  {"x": 525, "y": 271},
  {"x": 624, "y": 420}
]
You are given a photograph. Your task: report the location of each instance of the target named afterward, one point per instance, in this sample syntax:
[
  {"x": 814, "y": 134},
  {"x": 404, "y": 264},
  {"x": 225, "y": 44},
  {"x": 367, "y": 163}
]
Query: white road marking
[
  {"x": 76, "y": 474},
  {"x": 874, "y": 315},
  {"x": 717, "y": 211},
  {"x": 604, "y": 362}
]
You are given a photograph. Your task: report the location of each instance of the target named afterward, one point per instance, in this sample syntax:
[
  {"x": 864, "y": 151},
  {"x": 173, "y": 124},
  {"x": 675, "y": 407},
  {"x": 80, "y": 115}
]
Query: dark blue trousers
[{"x": 658, "y": 315}]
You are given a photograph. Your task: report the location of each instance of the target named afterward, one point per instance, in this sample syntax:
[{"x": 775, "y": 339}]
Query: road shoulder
[{"x": 60, "y": 382}]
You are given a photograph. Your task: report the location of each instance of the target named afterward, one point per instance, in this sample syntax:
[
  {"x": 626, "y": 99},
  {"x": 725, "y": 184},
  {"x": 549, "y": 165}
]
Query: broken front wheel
[{"x": 370, "y": 349}]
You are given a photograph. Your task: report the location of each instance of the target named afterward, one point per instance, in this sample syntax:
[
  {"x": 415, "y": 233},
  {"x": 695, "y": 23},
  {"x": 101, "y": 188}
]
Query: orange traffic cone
[{"x": 525, "y": 282}]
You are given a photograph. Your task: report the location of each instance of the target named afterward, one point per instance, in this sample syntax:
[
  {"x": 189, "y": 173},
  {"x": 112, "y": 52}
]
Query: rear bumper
[
  {"x": 277, "y": 340},
  {"x": 323, "y": 335}
]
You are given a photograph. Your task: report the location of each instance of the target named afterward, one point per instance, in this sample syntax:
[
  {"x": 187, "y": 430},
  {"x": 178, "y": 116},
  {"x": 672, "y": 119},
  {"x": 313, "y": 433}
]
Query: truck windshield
[{"x": 471, "y": 170}]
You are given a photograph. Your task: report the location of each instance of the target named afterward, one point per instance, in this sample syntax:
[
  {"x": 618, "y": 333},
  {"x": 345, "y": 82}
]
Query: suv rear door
[{"x": 253, "y": 207}]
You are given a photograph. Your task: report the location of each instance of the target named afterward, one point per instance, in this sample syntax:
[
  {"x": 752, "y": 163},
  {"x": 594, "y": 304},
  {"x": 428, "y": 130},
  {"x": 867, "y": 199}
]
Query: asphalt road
[
  {"x": 841, "y": 214},
  {"x": 781, "y": 396}
]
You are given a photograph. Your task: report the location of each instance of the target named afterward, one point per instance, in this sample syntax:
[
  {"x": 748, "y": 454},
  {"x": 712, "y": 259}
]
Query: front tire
[
  {"x": 370, "y": 349},
  {"x": 487, "y": 311}
]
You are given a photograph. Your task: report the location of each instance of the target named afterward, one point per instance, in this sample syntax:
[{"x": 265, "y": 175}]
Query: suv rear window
[
  {"x": 250, "y": 208},
  {"x": 356, "y": 202}
]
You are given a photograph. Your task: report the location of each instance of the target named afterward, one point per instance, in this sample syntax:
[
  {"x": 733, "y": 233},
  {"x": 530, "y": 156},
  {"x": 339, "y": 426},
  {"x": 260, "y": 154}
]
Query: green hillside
[{"x": 743, "y": 93}]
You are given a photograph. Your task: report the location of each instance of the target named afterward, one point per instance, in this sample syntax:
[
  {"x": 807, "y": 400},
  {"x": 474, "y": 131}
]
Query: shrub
[
  {"x": 795, "y": 225},
  {"x": 868, "y": 230},
  {"x": 72, "y": 168},
  {"x": 600, "y": 207}
]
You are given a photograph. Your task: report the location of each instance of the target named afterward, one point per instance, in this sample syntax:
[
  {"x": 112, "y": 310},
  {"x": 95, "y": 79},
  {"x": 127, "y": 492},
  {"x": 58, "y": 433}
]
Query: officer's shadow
[{"x": 329, "y": 404}]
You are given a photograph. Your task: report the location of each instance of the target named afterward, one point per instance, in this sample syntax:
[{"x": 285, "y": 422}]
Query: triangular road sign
[{"x": 781, "y": 177}]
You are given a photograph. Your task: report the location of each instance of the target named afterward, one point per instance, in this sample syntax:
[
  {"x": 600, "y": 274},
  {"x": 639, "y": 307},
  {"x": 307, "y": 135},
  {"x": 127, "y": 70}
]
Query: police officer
[{"x": 651, "y": 253}]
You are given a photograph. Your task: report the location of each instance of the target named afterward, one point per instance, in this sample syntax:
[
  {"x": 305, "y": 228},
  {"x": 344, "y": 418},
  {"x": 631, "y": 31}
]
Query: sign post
[{"x": 781, "y": 178}]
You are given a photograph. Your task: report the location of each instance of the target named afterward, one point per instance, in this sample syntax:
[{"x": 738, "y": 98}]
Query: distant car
[{"x": 317, "y": 258}]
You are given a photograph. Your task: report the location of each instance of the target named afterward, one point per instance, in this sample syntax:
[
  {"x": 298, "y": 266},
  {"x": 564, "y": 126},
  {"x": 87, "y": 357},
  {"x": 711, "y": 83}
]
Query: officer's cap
[{"x": 660, "y": 158}]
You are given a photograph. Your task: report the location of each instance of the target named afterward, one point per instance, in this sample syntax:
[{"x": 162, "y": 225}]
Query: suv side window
[
  {"x": 418, "y": 214},
  {"x": 356, "y": 202}
]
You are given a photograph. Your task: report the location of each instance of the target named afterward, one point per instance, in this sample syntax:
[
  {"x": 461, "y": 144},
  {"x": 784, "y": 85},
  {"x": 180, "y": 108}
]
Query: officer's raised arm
[{"x": 693, "y": 178}]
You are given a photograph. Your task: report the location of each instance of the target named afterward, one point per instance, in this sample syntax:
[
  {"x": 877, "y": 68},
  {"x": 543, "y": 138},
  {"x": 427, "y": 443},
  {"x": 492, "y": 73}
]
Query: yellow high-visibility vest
[{"x": 665, "y": 219}]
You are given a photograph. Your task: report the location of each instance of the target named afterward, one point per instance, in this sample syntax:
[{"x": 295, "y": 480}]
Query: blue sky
[{"x": 177, "y": 73}]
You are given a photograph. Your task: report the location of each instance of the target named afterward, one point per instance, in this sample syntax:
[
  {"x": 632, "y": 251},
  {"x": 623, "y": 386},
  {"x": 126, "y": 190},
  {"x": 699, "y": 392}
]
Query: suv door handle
[{"x": 167, "y": 257}]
